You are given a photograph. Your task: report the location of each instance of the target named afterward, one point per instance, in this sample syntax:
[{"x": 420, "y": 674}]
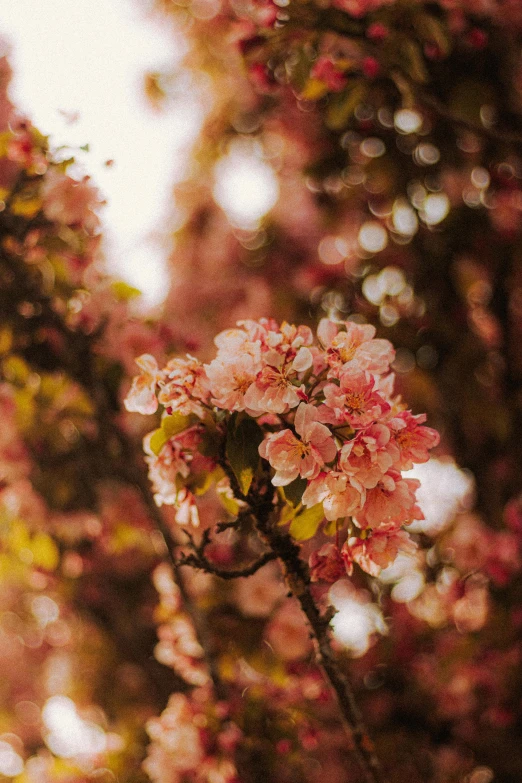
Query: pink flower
[
  {"x": 326, "y": 564},
  {"x": 230, "y": 380},
  {"x": 273, "y": 390},
  {"x": 377, "y": 551},
  {"x": 233, "y": 342},
  {"x": 391, "y": 503},
  {"x": 165, "y": 468},
  {"x": 369, "y": 455},
  {"x": 184, "y": 386},
  {"x": 355, "y": 402},
  {"x": 288, "y": 632},
  {"x": 258, "y": 594},
  {"x": 279, "y": 355},
  {"x": 470, "y": 612},
  {"x": 355, "y": 349},
  {"x": 292, "y": 457},
  {"x": 176, "y": 742},
  {"x": 69, "y": 201},
  {"x": 142, "y": 395},
  {"x": 186, "y": 508},
  {"x": 412, "y": 439},
  {"x": 337, "y": 494}
]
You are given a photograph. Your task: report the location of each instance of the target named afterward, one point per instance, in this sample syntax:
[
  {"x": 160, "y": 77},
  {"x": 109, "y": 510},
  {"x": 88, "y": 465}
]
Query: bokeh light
[{"x": 246, "y": 187}]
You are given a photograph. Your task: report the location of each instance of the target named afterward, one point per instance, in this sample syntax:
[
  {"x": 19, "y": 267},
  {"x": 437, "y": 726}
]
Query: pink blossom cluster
[
  {"x": 177, "y": 646},
  {"x": 330, "y": 422},
  {"x": 192, "y": 741}
]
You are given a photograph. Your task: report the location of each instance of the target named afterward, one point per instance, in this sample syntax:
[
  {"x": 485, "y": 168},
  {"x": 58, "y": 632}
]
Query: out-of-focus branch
[
  {"x": 338, "y": 22},
  {"x": 137, "y": 477}
]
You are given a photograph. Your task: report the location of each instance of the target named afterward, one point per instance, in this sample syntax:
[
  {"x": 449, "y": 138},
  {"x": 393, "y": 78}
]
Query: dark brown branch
[
  {"x": 201, "y": 562},
  {"x": 298, "y": 580},
  {"x": 260, "y": 501}
]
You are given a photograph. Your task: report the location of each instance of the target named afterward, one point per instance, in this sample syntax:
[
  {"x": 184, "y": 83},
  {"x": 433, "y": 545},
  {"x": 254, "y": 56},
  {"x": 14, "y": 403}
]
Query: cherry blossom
[
  {"x": 355, "y": 402},
  {"x": 354, "y": 349},
  {"x": 327, "y": 564},
  {"x": 413, "y": 440},
  {"x": 292, "y": 457},
  {"x": 273, "y": 390},
  {"x": 229, "y": 381},
  {"x": 391, "y": 502},
  {"x": 184, "y": 386},
  {"x": 142, "y": 395},
  {"x": 369, "y": 455},
  {"x": 377, "y": 550},
  {"x": 337, "y": 494},
  {"x": 164, "y": 469}
]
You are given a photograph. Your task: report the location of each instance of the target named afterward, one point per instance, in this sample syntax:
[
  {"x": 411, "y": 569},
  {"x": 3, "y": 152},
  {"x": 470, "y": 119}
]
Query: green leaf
[
  {"x": 243, "y": 439},
  {"x": 412, "y": 60},
  {"x": 430, "y": 29},
  {"x": 228, "y": 501},
  {"x": 294, "y": 491},
  {"x": 201, "y": 483},
  {"x": 157, "y": 441},
  {"x": 288, "y": 512},
  {"x": 331, "y": 527},
  {"x": 45, "y": 552},
  {"x": 170, "y": 426},
  {"x": 313, "y": 90},
  {"x": 304, "y": 525},
  {"x": 123, "y": 291},
  {"x": 176, "y": 423}
]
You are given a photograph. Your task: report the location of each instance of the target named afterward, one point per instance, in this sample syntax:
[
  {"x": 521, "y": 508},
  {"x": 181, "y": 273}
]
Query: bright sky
[{"x": 79, "y": 56}]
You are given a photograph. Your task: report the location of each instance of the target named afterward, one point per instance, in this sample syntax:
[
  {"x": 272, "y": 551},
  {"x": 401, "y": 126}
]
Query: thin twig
[{"x": 201, "y": 562}]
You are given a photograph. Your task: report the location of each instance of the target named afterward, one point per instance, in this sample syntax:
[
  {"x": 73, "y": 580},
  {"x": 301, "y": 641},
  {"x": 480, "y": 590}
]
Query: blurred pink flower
[
  {"x": 377, "y": 551},
  {"x": 142, "y": 395}
]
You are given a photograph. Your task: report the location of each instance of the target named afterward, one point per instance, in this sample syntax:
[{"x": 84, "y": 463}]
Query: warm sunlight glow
[
  {"x": 11, "y": 763},
  {"x": 246, "y": 187},
  {"x": 356, "y": 620},
  {"x": 444, "y": 490},
  {"x": 89, "y": 90},
  {"x": 69, "y": 735}
]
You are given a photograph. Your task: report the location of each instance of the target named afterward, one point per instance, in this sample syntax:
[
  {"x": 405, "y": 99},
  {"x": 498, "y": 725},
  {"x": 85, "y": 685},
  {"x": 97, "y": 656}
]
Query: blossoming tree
[{"x": 280, "y": 598}]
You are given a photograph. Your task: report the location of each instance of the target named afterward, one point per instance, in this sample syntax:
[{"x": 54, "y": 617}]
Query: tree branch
[
  {"x": 298, "y": 581},
  {"x": 200, "y": 561}
]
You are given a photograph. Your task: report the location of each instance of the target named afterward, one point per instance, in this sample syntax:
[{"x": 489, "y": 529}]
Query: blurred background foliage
[{"x": 360, "y": 159}]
